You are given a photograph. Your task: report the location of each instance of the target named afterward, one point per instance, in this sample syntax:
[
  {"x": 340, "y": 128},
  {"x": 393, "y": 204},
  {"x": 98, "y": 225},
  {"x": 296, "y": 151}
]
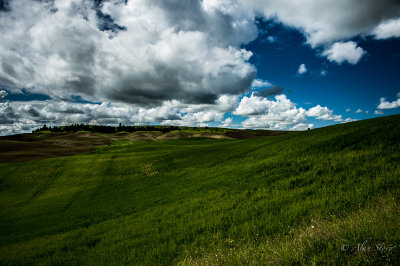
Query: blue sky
[
  {"x": 340, "y": 87},
  {"x": 277, "y": 64}
]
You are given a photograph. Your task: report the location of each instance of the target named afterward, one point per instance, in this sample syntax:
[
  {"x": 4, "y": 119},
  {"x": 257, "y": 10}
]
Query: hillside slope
[{"x": 318, "y": 196}]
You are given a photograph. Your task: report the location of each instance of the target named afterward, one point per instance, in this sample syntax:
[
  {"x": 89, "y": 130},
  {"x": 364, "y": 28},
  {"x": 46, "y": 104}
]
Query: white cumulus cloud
[
  {"x": 358, "y": 111},
  {"x": 227, "y": 122},
  {"x": 24, "y": 116},
  {"x": 259, "y": 83},
  {"x": 323, "y": 113},
  {"x": 388, "y": 29},
  {"x": 341, "y": 52},
  {"x": 280, "y": 113},
  {"x": 302, "y": 69},
  {"x": 302, "y": 126},
  {"x": 384, "y": 104}
]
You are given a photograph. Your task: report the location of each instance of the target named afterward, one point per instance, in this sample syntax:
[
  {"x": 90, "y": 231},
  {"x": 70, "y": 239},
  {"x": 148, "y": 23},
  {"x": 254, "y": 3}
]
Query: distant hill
[
  {"x": 324, "y": 196},
  {"x": 48, "y": 142}
]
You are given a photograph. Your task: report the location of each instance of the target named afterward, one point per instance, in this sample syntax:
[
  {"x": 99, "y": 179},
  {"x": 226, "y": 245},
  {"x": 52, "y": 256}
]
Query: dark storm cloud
[
  {"x": 4, "y": 5},
  {"x": 148, "y": 89},
  {"x": 168, "y": 117},
  {"x": 372, "y": 12},
  {"x": 223, "y": 27},
  {"x": 184, "y": 14},
  {"x": 154, "y": 90},
  {"x": 106, "y": 23},
  {"x": 323, "y": 22},
  {"x": 6, "y": 82},
  {"x": 82, "y": 84},
  {"x": 271, "y": 91},
  {"x": 9, "y": 69},
  {"x": 7, "y": 114},
  {"x": 172, "y": 82},
  {"x": 33, "y": 112},
  {"x": 99, "y": 3}
]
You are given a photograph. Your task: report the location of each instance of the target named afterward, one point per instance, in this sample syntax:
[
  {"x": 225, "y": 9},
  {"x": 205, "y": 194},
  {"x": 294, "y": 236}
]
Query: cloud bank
[{"x": 62, "y": 48}]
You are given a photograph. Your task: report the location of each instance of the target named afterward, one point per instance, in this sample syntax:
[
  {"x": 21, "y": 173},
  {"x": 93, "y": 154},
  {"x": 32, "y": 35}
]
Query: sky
[{"x": 275, "y": 64}]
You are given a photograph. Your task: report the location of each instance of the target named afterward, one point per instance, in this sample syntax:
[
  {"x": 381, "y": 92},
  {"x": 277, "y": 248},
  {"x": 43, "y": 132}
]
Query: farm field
[{"x": 324, "y": 196}]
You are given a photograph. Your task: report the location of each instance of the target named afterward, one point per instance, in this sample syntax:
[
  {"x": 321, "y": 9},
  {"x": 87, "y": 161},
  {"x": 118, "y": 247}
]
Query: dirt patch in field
[
  {"x": 143, "y": 136},
  {"x": 210, "y": 135},
  {"x": 26, "y": 147},
  {"x": 174, "y": 135}
]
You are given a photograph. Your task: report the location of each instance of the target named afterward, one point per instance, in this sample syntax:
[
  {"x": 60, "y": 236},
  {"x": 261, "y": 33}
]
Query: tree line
[{"x": 105, "y": 129}]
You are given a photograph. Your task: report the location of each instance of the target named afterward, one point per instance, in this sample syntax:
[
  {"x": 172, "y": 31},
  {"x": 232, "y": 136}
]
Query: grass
[
  {"x": 307, "y": 197},
  {"x": 361, "y": 237}
]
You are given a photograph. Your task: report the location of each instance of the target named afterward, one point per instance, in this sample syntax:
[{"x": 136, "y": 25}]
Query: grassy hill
[{"x": 329, "y": 195}]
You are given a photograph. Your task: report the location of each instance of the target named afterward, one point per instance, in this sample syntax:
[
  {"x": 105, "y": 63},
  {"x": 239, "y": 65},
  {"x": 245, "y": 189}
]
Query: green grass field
[{"x": 330, "y": 195}]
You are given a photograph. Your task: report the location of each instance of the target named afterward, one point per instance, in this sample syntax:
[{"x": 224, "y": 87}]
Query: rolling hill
[
  {"x": 70, "y": 140},
  {"x": 329, "y": 195}
]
